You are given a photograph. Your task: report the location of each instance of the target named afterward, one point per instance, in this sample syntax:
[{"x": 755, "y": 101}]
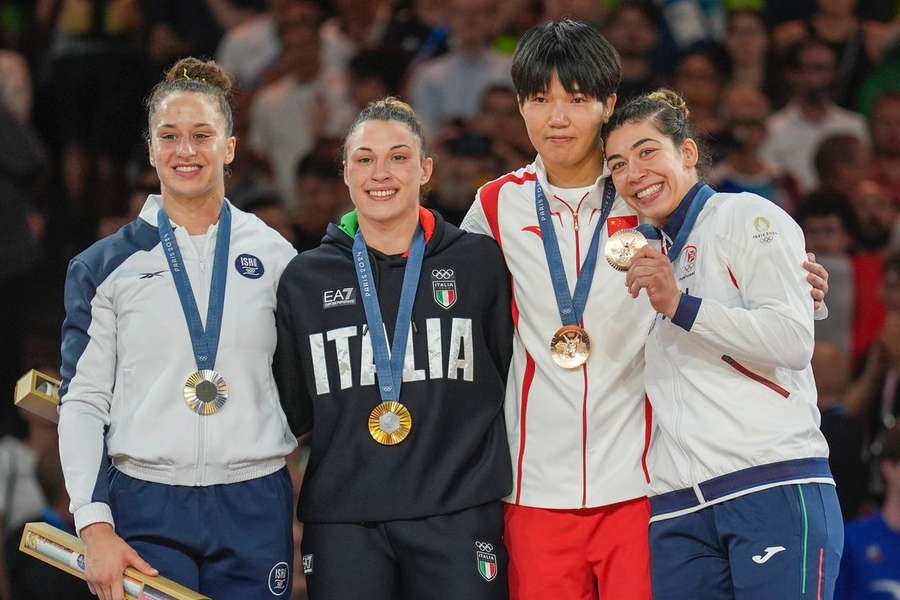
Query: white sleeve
[
  {"x": 765, "y": 251},
  {"x": 475, "y": 220},
  {"x": 88, "y": 371}
]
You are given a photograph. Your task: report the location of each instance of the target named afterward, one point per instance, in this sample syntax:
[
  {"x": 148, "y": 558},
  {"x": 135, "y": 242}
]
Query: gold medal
[
  {"x": 390, "y": 423},
  {"x": 205, "y": 392},
  {"x": 622, "y": 246},
  {"x": 570, "y": 346}
]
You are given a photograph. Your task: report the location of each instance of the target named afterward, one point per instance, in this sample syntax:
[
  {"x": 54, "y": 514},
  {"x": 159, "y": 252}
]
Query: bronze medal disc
[
  {"x": 390, "y": 423},
  {"x": 622, "y": 246},
  {"x": 570, "y": 346},
  {"x": 205, "y": 392}
]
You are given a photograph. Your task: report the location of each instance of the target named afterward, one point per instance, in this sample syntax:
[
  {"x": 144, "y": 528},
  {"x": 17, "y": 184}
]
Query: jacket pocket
[{"x": 755, "y": 376}]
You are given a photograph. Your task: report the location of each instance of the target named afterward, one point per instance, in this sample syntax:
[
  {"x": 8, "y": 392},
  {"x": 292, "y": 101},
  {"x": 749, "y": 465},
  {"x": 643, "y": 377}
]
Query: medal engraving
[
  {"x": 205, "y": 392},
  {"x": 622, "y": 246},
  {"x": 570, "y": 347},
  {"x": 390, "y": 423}
]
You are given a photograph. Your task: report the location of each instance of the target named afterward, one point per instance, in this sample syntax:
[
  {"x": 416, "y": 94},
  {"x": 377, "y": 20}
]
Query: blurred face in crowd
[
  {"x": 747, "y": 39},
  {"x": 473, "y": 23},
  {"x": 837, "y": 8},
  {"x": 649, "y": 171},
  {"x": 632, "y": 34},
  {"x": 886, "y": 127},
  {"x": 565, "y": 128},
  {"x": 15, "y": 85},
  {"x": 190, "y": 146},
  {"x": 699, "y": 82},
  {"x": 876, "y": 214},
  {"x": 321, "y": 198},
  {"x": 746, "y": 111},
  {"x": 384, "y": 170},
  {"x": 815, "y": 75},
  {"x": 364, "y": 90},
  {"x": 826, "y": 235},
  {"x": 298, "y": 29},
  {"x": 501, "y": 114}
]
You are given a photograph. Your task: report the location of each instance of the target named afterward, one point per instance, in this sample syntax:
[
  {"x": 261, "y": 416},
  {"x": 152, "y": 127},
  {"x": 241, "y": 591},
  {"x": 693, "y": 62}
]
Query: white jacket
[
  {"x": 577, "y": 437},
  {"x": 729, "y": 376},
  {"x": 126, "y": 355}
]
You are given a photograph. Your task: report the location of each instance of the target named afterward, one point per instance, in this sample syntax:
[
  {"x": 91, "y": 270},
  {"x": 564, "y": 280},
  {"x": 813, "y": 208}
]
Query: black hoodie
[{"x": 456, "y": 455}]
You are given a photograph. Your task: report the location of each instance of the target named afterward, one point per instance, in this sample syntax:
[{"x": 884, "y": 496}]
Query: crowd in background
[{"x": 796, "y": 101}]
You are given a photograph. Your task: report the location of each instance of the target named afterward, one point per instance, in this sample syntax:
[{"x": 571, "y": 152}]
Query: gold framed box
[
  {"x": 39, "y": 394},
  {"x": 66, "y": 552}
]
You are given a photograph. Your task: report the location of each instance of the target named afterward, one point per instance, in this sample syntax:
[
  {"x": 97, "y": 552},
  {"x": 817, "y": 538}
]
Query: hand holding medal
[{"x": 652, "y": 270}]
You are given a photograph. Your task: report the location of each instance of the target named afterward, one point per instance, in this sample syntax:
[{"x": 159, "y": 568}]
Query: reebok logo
[
  {"x": 338, "y": 297},
  {"x": 152, "y": 275},
  {"x": 770, "y": 552}
]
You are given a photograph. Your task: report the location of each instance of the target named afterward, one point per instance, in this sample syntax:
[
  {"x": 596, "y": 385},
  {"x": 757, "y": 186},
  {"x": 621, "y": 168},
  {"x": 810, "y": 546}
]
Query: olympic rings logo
[
  {"x": 442, "y": 274},
  {"x": 484, "y": 546}
]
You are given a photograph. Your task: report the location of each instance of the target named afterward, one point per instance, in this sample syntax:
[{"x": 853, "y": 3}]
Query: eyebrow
[
  {"x": 633, "y": 146},
  {"x": 366, "y": 148},
  {"x": 173, "y": 126}
]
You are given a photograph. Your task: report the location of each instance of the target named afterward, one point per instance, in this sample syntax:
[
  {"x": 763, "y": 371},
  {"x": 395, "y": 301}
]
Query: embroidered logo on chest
[
  {"x": 688, "y": 262},
  {"x": 443, "y": 286},
  {"x": 249, "y": 266}
]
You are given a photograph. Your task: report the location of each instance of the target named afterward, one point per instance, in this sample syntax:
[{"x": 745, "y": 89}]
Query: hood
[{"x": 438, "y": 233}]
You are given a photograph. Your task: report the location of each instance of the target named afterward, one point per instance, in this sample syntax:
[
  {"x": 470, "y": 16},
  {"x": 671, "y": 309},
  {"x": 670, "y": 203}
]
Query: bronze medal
[
  {"x": 205, "y": 392},
  {"x": 622, "y": 246},
  {"x": 390, "y": 423},
  {"x": 570, "y": 346}
]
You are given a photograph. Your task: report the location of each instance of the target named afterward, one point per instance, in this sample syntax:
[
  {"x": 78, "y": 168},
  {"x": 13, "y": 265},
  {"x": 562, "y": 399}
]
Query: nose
[
  {"x": 381, "y": 171},
  {"x": 558, "y": 115},
  {"x": 185, "y": 147},
  {"x": 635, "y": 171}
]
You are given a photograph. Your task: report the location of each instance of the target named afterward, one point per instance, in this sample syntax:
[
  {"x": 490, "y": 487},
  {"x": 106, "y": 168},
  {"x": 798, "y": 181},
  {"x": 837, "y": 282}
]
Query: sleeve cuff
[
  {"x": 822, "y": 313},
  {"x": 95, "y": 512},
  {"x": 687, "y": 310}
]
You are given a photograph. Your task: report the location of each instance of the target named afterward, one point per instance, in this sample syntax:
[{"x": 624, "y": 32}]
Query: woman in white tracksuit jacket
[
  {"x": 172, "y": 438},
  {"x": 743, "y": 502}
]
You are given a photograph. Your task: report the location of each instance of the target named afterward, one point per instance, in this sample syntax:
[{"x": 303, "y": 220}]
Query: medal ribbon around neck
[
  {"x": 697, "y": 203},
  {"x": 205, "y": 343},
  {"x": 571, "y": 306},
  {"x": 390, "y": 422}
]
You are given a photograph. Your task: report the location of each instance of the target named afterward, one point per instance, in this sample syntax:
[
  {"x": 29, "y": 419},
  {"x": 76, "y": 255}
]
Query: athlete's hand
[
  {"x": 817, "y": 276},
  {"x": 651, "y": 270},
  {"x": 106, "y": 558}
]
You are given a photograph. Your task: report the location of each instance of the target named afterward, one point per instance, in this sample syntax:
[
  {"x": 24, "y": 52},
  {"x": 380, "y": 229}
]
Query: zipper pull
[{"x": 575, "y": 216}]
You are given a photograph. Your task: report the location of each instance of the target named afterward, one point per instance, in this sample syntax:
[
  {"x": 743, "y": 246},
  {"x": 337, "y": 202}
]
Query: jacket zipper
[
  {"x": 755, "y": 376},
  {"x": 201, "y": 439}
]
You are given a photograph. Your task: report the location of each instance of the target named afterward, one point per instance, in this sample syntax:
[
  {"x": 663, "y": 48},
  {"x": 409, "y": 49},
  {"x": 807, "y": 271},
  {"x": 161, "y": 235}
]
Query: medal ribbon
[
  {"x": 697, "y": 203},
  {"x": 205, "y": 343},
  {"x": 571, "y": 306},
  {"x": 388, "y": 364}
]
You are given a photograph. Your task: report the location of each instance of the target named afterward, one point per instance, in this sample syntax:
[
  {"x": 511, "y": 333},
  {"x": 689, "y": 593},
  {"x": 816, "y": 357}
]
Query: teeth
[
  {"x": 382, "y": 193},
  {"x": 187, "y": 168},
  {"x": 648, "y": 191}
]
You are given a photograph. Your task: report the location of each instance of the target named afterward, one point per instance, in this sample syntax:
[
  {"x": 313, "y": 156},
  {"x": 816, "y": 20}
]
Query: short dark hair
[
  {"x": 583, "y": 60},
  {"x": 832, "y": 152},
  {"x": 826, "y": 203}
]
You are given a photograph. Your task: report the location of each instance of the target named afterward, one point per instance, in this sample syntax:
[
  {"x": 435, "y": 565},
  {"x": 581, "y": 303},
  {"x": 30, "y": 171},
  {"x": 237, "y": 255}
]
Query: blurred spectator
[
  {"x": 829, "y": 224},
  {"x": 884, "y": 79},
  {"x": 499, "y": 120},
  {"x": 289, "y": 115},
  {"x": 370, "y": 78},
  {"x": 844, "y": 434},
  {"x": 884, "y": 124},
  {"x": 752, "y": 59},
  {"x": 870, "y": 565},
  {"x": 796, "y": 131},
  {"x": 840, "y": 161},
  {"x": 589, "y": 11},
  {"x": 633, "y": 30},
  {"x": 450, "y": 87},
  {"x": 686, "y": 23},
  {"x": 178, "y": 28},
  {"x": 744, "y": 113},
  {"x": 876, "y": 214},
  {"x": 30, "y": 578},
  {"x": 700, "y": 78},
  {"x": 416, "y": 33},
  {"x": 20, "y": 492},
  {"x": 357, "y": 26},
  {"x": 22, "y": 160},
  {"x": 853, "y": 41},
  {"x": 271, "y": 211},
  {"x": 142, "y": 181},
  {"x": 250, "y": 48},
  {"x": 464, "y": 163},
  {"x": 96, "y": 71},
  {"x": 321, "y": 197}
]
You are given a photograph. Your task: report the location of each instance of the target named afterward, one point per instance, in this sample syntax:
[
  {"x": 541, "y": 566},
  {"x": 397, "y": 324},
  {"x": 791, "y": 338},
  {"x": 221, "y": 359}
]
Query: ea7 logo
[{"x": 338, "y": 297}]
